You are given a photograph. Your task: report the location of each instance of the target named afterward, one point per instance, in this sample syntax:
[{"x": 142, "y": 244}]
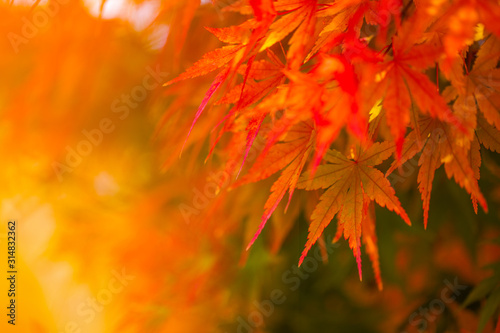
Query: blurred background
[{"x": 119, "y": 232}]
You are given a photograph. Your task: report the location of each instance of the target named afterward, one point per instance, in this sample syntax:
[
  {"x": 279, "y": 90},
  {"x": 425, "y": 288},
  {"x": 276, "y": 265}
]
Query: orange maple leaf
[
  {"x": 400, "y": 81},
  {"x": 289, "y": 155},
  {"x": 349, "y": 181},
  {"x": 442, "y": 147}
]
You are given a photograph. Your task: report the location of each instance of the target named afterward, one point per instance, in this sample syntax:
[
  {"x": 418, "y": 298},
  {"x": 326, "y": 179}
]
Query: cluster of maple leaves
[{"x": 373, "y": 79}]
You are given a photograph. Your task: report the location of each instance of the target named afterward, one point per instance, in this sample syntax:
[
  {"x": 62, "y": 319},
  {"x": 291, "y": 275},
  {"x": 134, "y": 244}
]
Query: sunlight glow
[
  {"x": 158, "y": 36},
  {"x": 105, "y": 184},
  {"x": 139, "y": 15},
  {"x": 28, "y": 3}
]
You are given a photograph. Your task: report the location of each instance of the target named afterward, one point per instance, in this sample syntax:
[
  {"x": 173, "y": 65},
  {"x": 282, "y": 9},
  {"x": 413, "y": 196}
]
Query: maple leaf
[
  {"x": 335, "y": 18},
  {"x": 477, "y": 89},
  {"x": 488, "y": 135},
  {"x": 370, "y": 238},
  {"x": 456, "y": 22},
  {"x": 484, "y": 81},
  {"x": 332, "y": 104},
  {"x": 348, "y": 181},
  {"x": 301, "y": 40},
  {"x": 210, "y": 62},
  {"x": 289, "y": 155},
  {"x": 293, "y": 13},
  {"x": 232, "y": 56},
  {"x": 263, "y": 9},
  {"x": 236, "y": 34},
  {"x": 442, "y": 147},
  {"x": 342, "y": 21},
  {"x": 330, "y": 76},
  {"x": 400, "y": 82},
  {"x": 262, "y": 77},
  {"x": 264, "y": 13}
]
